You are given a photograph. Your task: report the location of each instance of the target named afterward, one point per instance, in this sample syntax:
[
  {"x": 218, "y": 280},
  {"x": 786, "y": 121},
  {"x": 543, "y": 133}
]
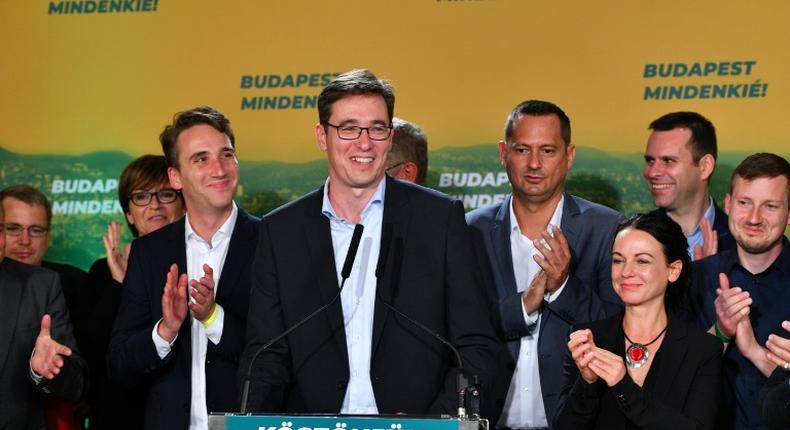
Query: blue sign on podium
[{"x": 339, "y": 422}]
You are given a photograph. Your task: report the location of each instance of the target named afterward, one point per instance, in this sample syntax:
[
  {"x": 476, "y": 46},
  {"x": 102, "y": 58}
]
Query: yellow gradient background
[{"x": 72, "y": 84}]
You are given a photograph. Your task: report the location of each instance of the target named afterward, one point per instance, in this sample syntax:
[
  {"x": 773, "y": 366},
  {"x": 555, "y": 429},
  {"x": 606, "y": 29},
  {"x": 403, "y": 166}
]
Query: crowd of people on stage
[{"x": 376, "y": 295}]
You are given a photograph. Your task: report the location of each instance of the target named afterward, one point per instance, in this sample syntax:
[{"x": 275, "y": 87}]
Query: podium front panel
[{"x": 336, "y": 422}]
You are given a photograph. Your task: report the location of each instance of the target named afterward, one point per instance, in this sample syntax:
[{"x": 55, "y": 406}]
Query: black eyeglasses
[
  {"x": 351, "y": 132},
  {"x": 15, "y": 229},
  {"x": 143, "y": 198}
]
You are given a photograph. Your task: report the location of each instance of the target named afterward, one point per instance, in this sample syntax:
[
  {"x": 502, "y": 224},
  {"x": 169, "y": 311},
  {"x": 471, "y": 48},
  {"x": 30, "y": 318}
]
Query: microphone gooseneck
[
  {"x": 348, "y": 264},
  {"x": 463, "y": 384}
]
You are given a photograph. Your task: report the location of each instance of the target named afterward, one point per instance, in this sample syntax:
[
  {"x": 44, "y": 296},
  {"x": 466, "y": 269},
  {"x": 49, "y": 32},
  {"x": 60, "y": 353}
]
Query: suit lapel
[
  {"x": 611, "y": 338},
  {"x": 10, "y": 295},
  {"x": 570, "y": 225},
  {"x": 177, "y": 246},
  {"x": 239, "y": 250},
  {"x": 500, "y": 242},
  {"x": 318, "y": 241},
  {"x": 394, "y": 230},
  {"x": 673, "y": 354}
]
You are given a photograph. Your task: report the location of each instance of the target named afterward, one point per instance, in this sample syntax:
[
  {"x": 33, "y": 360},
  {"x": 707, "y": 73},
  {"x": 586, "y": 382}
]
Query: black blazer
[
  {"x": 112, "y": 405},
  {"x": 775, "y": 400},
  {"x": 680, "y": 391},
  {"x": 132, "y": 358},
  {"x": 26, "y": 294},
  {"x": 426, "y": 268},
  {"x": 588, "y": 294}
]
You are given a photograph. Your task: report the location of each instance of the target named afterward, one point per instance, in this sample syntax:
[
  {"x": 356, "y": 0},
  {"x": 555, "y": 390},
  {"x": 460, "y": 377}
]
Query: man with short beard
[{"x": 741, "y": 295}]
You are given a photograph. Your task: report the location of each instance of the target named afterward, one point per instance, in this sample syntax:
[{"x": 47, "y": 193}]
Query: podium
[{"x": 341, "y": 422}]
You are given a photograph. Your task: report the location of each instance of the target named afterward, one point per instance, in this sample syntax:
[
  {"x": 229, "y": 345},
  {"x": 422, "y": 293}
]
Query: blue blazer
[
  {"x": 588, "y": 294},
  {"x": 132, "y": 358}
]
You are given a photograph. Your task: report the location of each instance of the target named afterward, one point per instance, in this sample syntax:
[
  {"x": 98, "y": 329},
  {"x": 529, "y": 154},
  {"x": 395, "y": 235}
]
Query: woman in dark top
[
  {"x": 643, "y": 368},
  {"x": 149, "y": 204}
]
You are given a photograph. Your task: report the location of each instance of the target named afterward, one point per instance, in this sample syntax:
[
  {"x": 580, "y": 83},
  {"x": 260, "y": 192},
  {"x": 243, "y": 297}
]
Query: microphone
[
  {"x": 344, "y": 274},
  {"x": 352, "y": 252},
  {"x": 462, "y": 383}
]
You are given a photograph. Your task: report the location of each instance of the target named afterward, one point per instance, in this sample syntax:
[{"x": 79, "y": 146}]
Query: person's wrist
[
  {"x": 165, "y": 332},
  {"x": 531, "y": 301},
  {"x": 720, "y": 333},
  {"x": 211, "y": 317}
]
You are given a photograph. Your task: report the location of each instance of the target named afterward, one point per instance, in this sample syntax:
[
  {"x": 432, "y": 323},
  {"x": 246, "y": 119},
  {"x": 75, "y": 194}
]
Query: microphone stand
[
  {"x": 468, "y": 392},
  {"x": 344, "y": 274}
]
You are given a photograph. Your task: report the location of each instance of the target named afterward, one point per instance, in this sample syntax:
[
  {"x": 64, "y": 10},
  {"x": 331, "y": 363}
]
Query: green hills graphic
[{"x": 613, "y": 179}]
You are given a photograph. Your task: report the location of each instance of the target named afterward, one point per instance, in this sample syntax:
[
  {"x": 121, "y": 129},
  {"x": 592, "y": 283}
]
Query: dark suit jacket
[
  {"x": 775, "y": 400},
  {"x": 589, "y": 229},
  {"x": 78, "y": 298},
  {"x": 680, "y": 391},
  {"x": 112, "y": 405},
  {"x": 132, "y": 357},
  {"x": 26, "y": 294},
  {"x": 426, "y": 268}
]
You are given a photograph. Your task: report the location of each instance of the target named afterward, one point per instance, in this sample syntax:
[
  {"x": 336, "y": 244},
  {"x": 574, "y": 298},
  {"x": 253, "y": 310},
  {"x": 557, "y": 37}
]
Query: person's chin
[{"x": 24, "y": 258}]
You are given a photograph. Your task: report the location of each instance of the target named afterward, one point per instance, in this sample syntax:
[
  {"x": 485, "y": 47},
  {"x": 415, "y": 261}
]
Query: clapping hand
[
  {"x": 581, "y": 346},
  {"x": 48, "y": 355},
  {"x": 555, "y": 258},
  {"x": 779, "y": 348},
  {"x": 732, "y": 304},
  {"x": 174, "y": 304},
  {"x": 595, "y": 363},
  {"x": 710, "y": 241},
  {"x": 116, "y": 260},
  {"x": 608, "y": 366},
  {"x": 202, "y": 294}
]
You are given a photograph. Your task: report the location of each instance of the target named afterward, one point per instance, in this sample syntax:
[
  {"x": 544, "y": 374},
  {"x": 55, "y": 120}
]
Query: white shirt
[
  {"x": 199, "y": 252},
  {"x": 524, "y": 404},
  {"x": 358, "y": 297}
]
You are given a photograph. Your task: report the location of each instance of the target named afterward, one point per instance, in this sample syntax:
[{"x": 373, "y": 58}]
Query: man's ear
[
  {"x": 706, "y": 166},
  {"x": 408, "y": 171},
  {"x": 174, "y": 176},
  {"x": 570, "y": 152},
  {"x": 320, "y": 136}
]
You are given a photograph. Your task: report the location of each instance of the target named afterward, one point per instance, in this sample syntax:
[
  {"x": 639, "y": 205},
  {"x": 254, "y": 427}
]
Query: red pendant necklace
[{"x": 637, "y": 354}]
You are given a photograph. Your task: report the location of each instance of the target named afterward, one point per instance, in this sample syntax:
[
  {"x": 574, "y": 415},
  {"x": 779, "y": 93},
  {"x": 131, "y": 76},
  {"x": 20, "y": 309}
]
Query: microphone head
[{"x": 356, "y": 237}]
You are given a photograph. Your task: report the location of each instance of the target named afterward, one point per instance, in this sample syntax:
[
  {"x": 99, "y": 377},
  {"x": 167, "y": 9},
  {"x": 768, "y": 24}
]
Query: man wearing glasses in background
[
  {"x": 34, "y": 359},
  {"x": 28, "y": 217},
  {"x": 408, "y": 158},
  {"x": 360, "y": 356}
]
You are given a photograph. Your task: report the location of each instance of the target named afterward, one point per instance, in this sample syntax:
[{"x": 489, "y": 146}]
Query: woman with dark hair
[
  {"x": 643, "y": 368},
  {"x": 148, "y": 203}
]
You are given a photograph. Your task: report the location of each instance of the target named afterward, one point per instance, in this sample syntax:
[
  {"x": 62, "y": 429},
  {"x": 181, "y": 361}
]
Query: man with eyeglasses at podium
[{"x": 360, "y": 356}]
